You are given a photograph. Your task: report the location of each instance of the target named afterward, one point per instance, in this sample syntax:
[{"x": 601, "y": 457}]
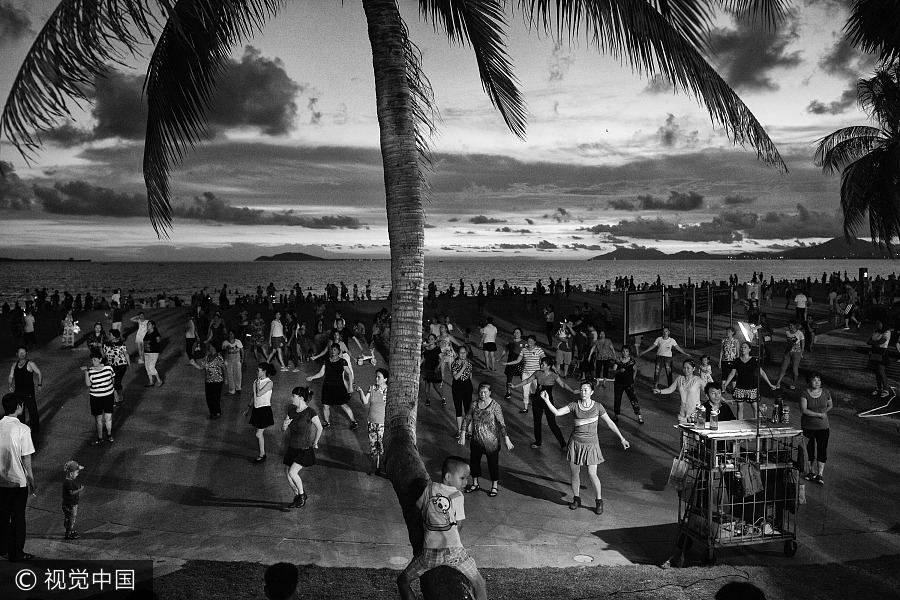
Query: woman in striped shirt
[{"x": 99, "y": 379}]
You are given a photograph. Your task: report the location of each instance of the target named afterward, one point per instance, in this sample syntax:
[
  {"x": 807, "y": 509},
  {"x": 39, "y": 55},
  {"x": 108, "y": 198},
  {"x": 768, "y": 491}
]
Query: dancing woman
[
  {"x": 376, "y": 401},
  {"x": 584, "y": 446},
  {"x": 261, "y": 407},
  {"x": 304, "y": 428},
  {"x": 545, "y": 379},
  {"x": 745, "y": 376}
]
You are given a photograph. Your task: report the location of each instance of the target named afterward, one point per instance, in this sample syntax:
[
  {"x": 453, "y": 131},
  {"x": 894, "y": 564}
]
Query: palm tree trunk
[{"x": 406, "y": 234}]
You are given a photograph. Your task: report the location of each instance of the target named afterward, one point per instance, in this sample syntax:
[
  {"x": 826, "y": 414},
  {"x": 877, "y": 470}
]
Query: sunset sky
[{"x": 611, "y": 158}]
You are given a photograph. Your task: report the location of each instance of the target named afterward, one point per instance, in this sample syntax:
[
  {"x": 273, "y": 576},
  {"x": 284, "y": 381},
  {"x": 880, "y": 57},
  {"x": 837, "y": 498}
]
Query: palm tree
[
  {"x": 874, "y": 27},
  {"x": 193, "y": 37},
  {"x": 869, "y": 159}
]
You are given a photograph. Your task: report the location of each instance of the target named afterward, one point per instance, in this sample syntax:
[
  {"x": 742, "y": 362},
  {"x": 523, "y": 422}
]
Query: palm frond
[
  {"x": 870, "y": 187},
  {"x": 836, "y": 150},
  {"x": 874, "y": 27},
  {"x": 76, "y": 45},
  {"x": 879, "y": 96},
  {"x": 637, "y": 34},
  {"x": 482, "y": 24},
  {"x": 191, "y": 53},
  {"x": 767, "y": 12},
  {"x": 424, "y": 108}
]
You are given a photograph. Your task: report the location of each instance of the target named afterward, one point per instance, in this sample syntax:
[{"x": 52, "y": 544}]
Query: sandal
[
  {"x": 472, "y": 487},
  {"x": 493, "y": 492}
]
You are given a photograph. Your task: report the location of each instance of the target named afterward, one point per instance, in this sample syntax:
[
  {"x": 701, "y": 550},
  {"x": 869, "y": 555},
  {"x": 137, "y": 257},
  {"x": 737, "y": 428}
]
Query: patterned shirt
[
  {"x": 462, "y": 368},
  {"x": 116, "y": 355},
  {"x": 729, "y": 349},
  {"x": 214, "y": 368},
  {"x": 488, "y": 426},
  {"x": 101, "y": 379}
]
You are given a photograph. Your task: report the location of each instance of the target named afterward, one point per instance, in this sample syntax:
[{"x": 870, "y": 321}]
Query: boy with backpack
[{"x": 441, "y": 506}]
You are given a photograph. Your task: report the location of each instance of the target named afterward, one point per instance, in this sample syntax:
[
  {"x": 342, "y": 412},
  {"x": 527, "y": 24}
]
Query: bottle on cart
[
  {"x": 779, "y": 410},
  {"x": 785, "y": 413},
  {"x": 700, "y": 419},
  {"x": 713, "y": 418}
]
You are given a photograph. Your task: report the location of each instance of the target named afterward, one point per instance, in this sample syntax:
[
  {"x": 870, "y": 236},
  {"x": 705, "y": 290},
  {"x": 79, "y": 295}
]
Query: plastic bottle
[
  {"x": 701, "y": 416},
  {"x": 713, "y": 418}
]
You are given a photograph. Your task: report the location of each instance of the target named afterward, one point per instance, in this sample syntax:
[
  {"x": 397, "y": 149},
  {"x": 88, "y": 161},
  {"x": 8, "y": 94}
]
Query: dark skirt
[
  {"x": 514, "y": 370},
  {"x": 305, "y": 457},
  {"x": 334, "y": 395},
  {"x": 262, "y": 417},
  {"x": 433, "y": 375}
]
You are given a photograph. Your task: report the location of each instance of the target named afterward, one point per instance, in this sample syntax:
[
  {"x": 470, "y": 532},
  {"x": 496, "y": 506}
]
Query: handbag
[
  {"x": 678, "y": 474},
  {"x": 751, "y": 478}
]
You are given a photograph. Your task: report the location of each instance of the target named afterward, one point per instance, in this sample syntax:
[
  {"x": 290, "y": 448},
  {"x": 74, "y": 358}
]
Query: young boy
[
  {"x": 442, "y": 511},
  {"x": 72, "y": 489}
]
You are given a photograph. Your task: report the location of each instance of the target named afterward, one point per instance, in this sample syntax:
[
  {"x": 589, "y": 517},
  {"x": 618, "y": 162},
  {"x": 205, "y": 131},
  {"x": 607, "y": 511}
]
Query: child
[
  {"x": 72, "y": 489},
  {"x": 705, "y": 370},
  {"x": 442, "y": 510}
]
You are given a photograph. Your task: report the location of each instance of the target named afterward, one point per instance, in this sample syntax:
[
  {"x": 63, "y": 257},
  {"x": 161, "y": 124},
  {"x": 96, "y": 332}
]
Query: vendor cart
[{"x": 739, "y": 485}]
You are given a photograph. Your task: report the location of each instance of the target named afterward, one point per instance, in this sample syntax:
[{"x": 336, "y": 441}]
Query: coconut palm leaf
[
  {"x": 870, "y": 186},
  {"x": 767, "y": 12},
  {"x": 836, "y": 150},
  {"x": 191, "y": 53},
  {"x": 482, "y": 24},
  {"x": 74, "y": 47},
  {"x": 879, "y": 96},
  {"x": 874, "y": 28},
  {"x": 650, "y": 44}
]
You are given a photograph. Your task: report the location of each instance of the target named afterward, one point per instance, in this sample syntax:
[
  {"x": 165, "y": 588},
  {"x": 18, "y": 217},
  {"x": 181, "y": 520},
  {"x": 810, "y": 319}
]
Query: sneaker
[
  {"x": 885, "y": 393},
  {"x": 110, "y": 439},
  {"x": 325, "y": 424},
  {"x": 599, "y": 508},
  {"x": 809, "y": 476},
  {"x": 354, "y": 425},
  {"x": 535, "y": 445},
  {"x": 819, "y": 479},
  {"x": 96, "y": 442},
  {"x": 640, "y": 419},
  {"x": 507, "y": 396},
  {"x": 73, "y": 536}
]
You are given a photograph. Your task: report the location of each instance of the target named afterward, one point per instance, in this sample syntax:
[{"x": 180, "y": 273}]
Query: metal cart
[{"x": 712, "y": 507}]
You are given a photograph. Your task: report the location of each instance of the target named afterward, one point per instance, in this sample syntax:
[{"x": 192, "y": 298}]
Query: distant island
[
  {"x": 837, "y": 248},
  {"x": 289, "y": 257}
]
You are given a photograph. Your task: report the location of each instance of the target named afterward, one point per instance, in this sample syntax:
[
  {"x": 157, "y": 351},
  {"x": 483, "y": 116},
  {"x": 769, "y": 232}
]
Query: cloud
[
  {"x": 677, "y": 201},
  {"x": 254, "y": 91},
  {"x": 83, "y": 198},
  {"x": 14, "y": 23},
  {"x": 671, "y": 134},
  {"x": 509, "y": 230},
  {"x": 559, "y": 62},
  {"x": 67, "y": 135},
  {"x": 737, "y": 199},
  {"x": 621, "y": 204},
  {"x": 659, "y": 84},
  {"x": 748, "y": 54},
  {"x": 14, "y": 193},
  {"x": 483, "y": 220},
  {"x": 847, "y": 100}
]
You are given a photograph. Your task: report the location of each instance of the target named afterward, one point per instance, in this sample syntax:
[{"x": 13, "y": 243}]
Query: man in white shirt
[
  {"x": 489, "y": 343},
  {"x": 664, "y": 345},
  {"x": 801, "y": 301},
  {"x": 16, "y": 479}
]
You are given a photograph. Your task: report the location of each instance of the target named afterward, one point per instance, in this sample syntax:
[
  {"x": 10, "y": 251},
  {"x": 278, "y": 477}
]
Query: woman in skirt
[
  {"x": 513, "y": 350},
  {"x": 584, "y": 446},
  {"x": 304, "y": 430},
  {"x": 376, "y": 400},
  {"x": 336, "y": 385},
  {"x": 261, "y": 408},
  {"x": 744, "y": 373}
]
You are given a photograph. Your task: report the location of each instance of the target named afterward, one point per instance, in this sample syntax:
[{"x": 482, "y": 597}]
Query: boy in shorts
[
  {"x": 71, "y": 493},
  {"x": 442, "y": 511}
]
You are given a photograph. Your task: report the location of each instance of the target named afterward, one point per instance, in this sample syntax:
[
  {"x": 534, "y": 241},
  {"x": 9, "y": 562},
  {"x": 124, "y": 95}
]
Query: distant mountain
[
  {"x": 289, "y": 257},
  {"x": 834, "y": 248}
]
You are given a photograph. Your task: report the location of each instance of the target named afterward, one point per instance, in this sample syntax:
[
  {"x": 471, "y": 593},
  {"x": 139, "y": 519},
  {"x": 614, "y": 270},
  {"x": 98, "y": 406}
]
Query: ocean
[{"x": 184, "y": 278}]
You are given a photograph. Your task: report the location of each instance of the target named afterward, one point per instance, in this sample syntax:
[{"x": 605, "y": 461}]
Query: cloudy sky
[{"x": 292, "y": 158}]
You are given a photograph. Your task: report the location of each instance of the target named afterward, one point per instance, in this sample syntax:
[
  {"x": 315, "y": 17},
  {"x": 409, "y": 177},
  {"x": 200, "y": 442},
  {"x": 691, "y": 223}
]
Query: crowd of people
[{"x": 578, "y": 358}]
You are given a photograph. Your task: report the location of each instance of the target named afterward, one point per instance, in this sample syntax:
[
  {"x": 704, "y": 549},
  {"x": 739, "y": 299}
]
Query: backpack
[{"x": 436, "y": 510}]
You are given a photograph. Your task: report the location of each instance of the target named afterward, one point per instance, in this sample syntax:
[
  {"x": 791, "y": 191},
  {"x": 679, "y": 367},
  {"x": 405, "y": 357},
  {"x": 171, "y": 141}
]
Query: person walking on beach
[
  {"x": 16, "y": 479},
  {"x": 793, "y": 354},
  {"x": 260, "y": 407},
  {"x": 336, "y": 386},
  {"x": 530, "y": 357},
  {"x": 100, "y": 381},
  {"x": 801, "y": 302},
  {"x": 152, "y": 347},
  {"x": 276, "y": 341},
  {"x": 461, "y": 371},
  {"x": 545, "y": 379},
  {"x": 815, "y": 403},
  {"x": 623, "y": 383},
  {"x": 513, "y": 367},
  {"x": 304, "y": 428},
  {"x": 234, "y": 360},
  {"x": 139, "y": 335},
  {"x": 663, "y": 345},
  {"x": 430, "y": 370},
  {"x": 489, "y": 343},
  {"x": 21, "y": 381},
  {"x": 258, "y": 337},
  {"x": 584, "y": 446},
  {"x": 878, "y": 343},
  {"x": 746, "y": 374},
  {"x": 690, "y": 389},
  {"x": 118, "y": 358},
  {"x": 549, "y": 323},
  {"x": 213, "y": 367},
  {"x": 376, "y": 400},
  {"x": 190, "y": 337},
  {"x": 486, "y": 427}
]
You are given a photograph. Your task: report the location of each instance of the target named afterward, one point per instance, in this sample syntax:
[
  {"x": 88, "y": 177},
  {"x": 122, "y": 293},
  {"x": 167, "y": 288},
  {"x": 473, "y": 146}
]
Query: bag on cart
[
  {"x": 802, "y": 462},
  {"x": 678, "y": 474},
  {"x": 751, "y": 482},
  {"x": 793, "y": 488}
]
